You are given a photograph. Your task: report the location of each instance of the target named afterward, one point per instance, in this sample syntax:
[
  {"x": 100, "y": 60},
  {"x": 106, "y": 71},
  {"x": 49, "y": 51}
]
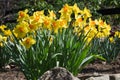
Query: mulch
[{"x": 11, "y": 73}]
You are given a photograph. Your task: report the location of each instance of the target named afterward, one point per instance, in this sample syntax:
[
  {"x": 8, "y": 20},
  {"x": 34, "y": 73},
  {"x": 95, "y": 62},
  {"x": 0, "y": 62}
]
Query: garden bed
[
  {"x": 96, "y": 68},
  {"x": 33, "y": 43}
]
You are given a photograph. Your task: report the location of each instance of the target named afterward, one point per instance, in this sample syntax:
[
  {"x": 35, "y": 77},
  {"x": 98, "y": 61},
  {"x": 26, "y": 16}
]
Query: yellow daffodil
[
  {"x": 38, "y": 16},
  {"x": 33, "y": 27},
  {"x": 87, "y": 30},
  {"x": 47, "y": 23},
  {"x": 86, "y": 13},
  {"x": 1, "y": 44},
  {"x": 103, "y": 28},
  {"x": 2, "y": 28},
  {"x": 92, "y": 26},
  {"x": 36, "y": 20},
  {"x": 2, "y": 39},
  {"x": 52, "y": 14},
  {"x": 117, "y": 34},
  {"x": 50, "y": 40},
  {"x": 91, "y": 22},
  {"x": 66, "y": 12},
  {"x": 55, "y": 26},
  {"x": 79, "y": 22},
  {"x": 100, "y": 35},
  {"x": 22, "y": 15},
  {"x": 63, "y": 23},
  {"x": 21, "y": 29},
  {"x": 90, "y": 32},
  {"x": 88, "y": 40},
  {"x": 111, "y": 39},
  {"x": 100, "y": 22},
  {"x": 7, "y": 32},
  {"x": 76, "y": 10},
  {"x": 66, "y": 9},
  {"x": 106, "y": 30},
  {"x": 66, "y": 17},
  {"x": 28, "y": 42}
]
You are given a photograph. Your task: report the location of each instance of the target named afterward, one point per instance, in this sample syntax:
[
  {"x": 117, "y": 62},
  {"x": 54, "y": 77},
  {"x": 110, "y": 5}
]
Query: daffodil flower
[
  {"x": 22, "y": 15},
  {"x": 66, "y": 12},
  {"x": 2, "y": 28},
  {"x": 2, "y": 39},
  {"x": 28, "y": 42},
  {"x": 21, "y": 29},
  {"x": 76, "y": 10}
]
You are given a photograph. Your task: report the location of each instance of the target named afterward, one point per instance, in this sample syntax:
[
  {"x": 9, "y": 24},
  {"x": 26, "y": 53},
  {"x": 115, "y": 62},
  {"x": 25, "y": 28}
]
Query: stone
[
  {"x": 58, "y": 73},
  {"x": 104, "y": 77},
  {"x": 115, "y": 77}
]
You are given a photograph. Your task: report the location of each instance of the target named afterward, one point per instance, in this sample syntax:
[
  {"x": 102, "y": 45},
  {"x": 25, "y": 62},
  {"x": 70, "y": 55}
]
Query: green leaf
[{"x": 56, "y": 54}]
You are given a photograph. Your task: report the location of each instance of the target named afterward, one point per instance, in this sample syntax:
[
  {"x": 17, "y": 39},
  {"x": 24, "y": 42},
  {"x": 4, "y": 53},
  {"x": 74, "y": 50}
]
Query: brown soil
[
  {"x": 97, "y": 66},
  {"x": 100, "y": 67},
  {"x": 11, "y": 74}
]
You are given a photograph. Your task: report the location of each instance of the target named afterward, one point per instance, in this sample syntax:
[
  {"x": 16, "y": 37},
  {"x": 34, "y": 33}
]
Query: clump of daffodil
[
  {"x": 28, "y": 42},
  {"x": 81, "y": 17},
  {"x": 116, "y": 35},
  {"x": 35, "y": 21},
  {"x": 82, "y": 23},
  {"x": 4, "y": 34},
  {"x": 53, "y": 24},
  {"x": 50, "y": 22},
  {"x": 38, "y": 16},
  {"x": 103, "y": 28},
  {"x": 38, "y": 37},
  {"x": 99, "y": 28}
]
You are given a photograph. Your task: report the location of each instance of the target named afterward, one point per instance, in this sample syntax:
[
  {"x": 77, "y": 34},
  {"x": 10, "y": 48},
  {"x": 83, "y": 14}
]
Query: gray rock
[
  {"x": 104, "y": 77},
  {"x": 58, "y": 73},
  {"x": 115, "y": 77}
]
